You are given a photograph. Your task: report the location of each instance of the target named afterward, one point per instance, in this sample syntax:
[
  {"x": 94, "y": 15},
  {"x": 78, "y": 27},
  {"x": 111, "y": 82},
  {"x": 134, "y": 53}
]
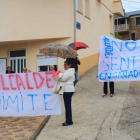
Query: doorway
[
  {"x": 133, "y": 36},
  {"x": 17, "y": 60}
]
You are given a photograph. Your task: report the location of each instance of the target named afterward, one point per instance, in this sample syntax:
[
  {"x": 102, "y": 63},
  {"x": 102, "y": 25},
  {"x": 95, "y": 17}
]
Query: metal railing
[{"x": 121, "y": 27}]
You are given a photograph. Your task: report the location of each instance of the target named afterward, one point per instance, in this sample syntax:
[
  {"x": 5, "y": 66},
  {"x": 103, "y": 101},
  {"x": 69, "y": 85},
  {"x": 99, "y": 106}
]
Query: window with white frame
[
  {"x": 44, "y": 63},
  {"x": 77, "y": 5},
  {"x": 17, "y": 60}
]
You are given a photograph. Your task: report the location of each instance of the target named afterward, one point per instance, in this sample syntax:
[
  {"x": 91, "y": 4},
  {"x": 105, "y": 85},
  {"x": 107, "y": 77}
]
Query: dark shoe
[{"x": 66, "y": 124}]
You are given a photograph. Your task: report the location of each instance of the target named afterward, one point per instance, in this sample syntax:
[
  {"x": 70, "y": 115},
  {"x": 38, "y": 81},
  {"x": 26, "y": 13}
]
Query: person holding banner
[
  {"x": 25, "y": 70},
  {"x": 51, "y": 68},
  {"x": 8, "y": 71},
  {"x": 65, "y": 86},
  {"x": 111, "y": 86}
]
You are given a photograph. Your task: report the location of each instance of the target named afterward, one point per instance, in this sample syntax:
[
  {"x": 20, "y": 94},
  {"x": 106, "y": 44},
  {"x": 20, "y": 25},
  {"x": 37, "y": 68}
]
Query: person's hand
[{"x": 77, "y": 58}]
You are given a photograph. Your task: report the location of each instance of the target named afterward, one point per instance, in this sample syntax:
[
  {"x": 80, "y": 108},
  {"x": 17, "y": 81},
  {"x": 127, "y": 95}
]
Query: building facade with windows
[
  {"x": 29, "y": 25},
  {"x": 129, "y": 26}
]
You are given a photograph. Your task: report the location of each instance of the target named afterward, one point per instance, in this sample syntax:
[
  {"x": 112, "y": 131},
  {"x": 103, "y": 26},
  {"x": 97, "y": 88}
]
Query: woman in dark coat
[{"x": 8, "y": 71}]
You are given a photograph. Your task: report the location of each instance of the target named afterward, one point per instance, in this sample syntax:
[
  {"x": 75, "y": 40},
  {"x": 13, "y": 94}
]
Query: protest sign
[
  {"x": 118, "y": 60},
  {"x": 28, "y": 94}
]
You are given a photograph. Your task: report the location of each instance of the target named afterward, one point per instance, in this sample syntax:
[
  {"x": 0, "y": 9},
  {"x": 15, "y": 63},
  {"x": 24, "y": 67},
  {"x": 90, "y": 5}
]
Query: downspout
[
  {"x": 74, "y": 20},
  {"x": 114, "y": 24}
]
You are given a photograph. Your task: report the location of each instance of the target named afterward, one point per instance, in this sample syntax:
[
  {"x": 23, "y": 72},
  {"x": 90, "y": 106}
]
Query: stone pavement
[
  {"x": 19, "y": 128},
  {"x": 94, "y": 117}
]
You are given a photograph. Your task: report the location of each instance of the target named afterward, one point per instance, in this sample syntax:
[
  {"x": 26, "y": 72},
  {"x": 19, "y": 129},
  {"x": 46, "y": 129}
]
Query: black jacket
[
  {"x": 74, "y": 63},
  {"x": 10, "y": 72}
]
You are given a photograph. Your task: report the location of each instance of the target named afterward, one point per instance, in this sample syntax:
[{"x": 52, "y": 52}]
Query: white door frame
[{"x": 16, "y": 58}]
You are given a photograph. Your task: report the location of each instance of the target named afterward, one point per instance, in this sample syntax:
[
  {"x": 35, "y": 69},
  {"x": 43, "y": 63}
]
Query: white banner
[
  {"x": 119, "y": 60},
  {"x": 28, "y": 94}
]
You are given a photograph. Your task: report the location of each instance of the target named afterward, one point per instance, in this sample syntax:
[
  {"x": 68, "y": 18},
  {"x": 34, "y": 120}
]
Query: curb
[{"x": 40, "y": 128}]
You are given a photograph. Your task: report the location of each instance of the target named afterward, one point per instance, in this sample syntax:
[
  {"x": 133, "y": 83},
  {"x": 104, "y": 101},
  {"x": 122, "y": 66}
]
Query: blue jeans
[
  {"x": 67, "y": 96},
  {"x": 76, "y": 78}
]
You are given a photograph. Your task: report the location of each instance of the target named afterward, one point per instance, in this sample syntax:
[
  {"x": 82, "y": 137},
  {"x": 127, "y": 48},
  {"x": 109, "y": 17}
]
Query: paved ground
[
  {"x": 97, "y": 118},
  {"x": 19, "y": 128},
  {"x": 130, "y": 119}
]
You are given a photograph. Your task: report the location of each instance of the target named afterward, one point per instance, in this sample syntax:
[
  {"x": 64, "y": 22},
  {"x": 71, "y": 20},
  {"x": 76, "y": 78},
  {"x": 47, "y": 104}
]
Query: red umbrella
[{"x": 78, "y": 45}]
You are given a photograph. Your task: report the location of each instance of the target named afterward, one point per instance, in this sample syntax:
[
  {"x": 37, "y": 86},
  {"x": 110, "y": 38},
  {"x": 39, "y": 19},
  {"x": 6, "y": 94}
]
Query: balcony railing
[{"x": 122, "y": 27}]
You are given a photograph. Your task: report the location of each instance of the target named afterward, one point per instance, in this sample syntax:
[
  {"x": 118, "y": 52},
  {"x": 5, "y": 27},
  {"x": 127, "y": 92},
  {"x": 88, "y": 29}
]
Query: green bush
[{"x": 118, "y": 36}]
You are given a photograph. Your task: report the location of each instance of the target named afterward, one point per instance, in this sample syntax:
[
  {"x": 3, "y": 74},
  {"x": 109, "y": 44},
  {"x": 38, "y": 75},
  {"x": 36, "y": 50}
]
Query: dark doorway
[{"x": 133, "y": 36}]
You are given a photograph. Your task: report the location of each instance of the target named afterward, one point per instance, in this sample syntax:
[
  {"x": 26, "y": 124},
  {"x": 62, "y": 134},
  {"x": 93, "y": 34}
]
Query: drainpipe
[
  {"x": 74, "y": 1},
  {"x": 114, "y": 24}
]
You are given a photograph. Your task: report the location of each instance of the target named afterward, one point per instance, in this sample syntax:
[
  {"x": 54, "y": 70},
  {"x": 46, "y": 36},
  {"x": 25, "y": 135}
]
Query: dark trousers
[
  {"x": 111, "y": 87},
  {"x": 76, "y": 78},
  {"x": 67, "y": 96}
]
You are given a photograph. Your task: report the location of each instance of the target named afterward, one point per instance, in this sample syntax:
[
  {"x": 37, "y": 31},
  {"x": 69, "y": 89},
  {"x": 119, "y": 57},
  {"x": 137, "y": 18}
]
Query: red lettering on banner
[
  {"x": 27, "y": 80},
  {"x": 3, "y": 84},
  {"x": 48, "y": 79},
  {"x": 10, "y": 76},
  {"x": 19, "y": 82},
  {"x": 42, "y": 80}
]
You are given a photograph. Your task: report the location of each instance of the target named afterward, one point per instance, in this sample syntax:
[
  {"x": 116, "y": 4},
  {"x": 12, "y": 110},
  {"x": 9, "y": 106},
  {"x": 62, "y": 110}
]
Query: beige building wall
[
  {"x": 32, "y": 51},
  {"x": 29, "y": 25},
  {"x": 98, "y": 23},
  {"x": 35, "y": 19},
  {"x": 118, "y": 8}
]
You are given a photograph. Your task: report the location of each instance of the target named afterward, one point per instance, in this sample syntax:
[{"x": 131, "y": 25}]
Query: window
[
  {"x": 79, "y": 6},
  {"x": 46, "y": 68},
  {"x": 111, "y": 24},
  {"x": 17, "y": 60},
  {"x": 17, "y": 53},
  {"x": 44, "y": 63},
  {"x": 87, "y": 8},
  {"x": 138, "y": 21},
  {"x": 133, "y": 36}
]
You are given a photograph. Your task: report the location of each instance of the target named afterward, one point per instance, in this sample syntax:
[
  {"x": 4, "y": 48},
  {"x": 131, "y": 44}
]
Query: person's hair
[
  {"x": 8, "y": 67},
  {"x": 68, "y": 62}
]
